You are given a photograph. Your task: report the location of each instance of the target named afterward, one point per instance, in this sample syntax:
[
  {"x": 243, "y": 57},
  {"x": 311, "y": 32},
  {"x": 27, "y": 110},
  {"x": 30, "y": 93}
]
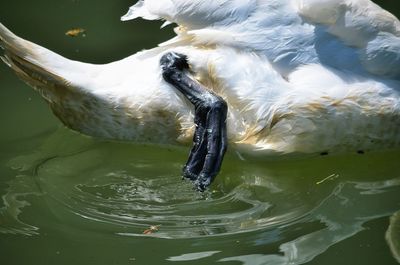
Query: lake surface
[{"x": 71, "y": 199}]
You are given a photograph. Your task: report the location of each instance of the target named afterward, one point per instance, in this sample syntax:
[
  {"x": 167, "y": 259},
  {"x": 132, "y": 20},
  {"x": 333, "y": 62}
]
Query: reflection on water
[
  {"x": 393, "y": 235},
  {"x": 300, "y": 208}
]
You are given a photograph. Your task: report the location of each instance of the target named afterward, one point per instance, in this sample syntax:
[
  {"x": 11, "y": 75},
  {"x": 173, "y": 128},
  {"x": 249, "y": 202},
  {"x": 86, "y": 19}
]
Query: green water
[{"x": 70, "y": 199}]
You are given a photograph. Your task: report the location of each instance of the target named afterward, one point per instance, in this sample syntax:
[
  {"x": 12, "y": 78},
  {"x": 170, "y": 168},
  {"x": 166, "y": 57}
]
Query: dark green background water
[{"x": 69, "y": 199}]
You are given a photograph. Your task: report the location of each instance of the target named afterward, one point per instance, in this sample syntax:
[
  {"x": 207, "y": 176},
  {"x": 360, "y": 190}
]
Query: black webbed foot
[{"x": 210, "y": 138}]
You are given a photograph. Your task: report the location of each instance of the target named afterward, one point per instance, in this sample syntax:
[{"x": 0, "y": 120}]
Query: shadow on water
[{"x": 119, "y": 190}]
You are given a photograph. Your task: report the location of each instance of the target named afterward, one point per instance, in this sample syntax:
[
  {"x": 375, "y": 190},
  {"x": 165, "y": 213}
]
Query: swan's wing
[
  {"x": 351, "y": 20},
  {"x": 353, "y": 35}
]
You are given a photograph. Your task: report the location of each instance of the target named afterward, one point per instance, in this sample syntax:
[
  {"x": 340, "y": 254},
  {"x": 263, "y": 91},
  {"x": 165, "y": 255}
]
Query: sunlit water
[{"x": 70, "y": 199}]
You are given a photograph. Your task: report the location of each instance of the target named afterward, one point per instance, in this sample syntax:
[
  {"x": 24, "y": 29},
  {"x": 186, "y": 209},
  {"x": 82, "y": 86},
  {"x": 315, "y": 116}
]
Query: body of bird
[{"x": 298, "y": 76}]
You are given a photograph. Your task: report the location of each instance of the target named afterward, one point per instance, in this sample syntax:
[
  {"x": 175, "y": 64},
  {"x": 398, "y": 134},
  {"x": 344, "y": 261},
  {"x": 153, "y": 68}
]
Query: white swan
[{"x": 298, "y": 76}]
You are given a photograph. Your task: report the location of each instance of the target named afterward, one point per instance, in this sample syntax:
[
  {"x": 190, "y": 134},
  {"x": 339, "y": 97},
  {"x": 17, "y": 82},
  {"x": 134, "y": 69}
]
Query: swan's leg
[{"x": 210, "y": 139}]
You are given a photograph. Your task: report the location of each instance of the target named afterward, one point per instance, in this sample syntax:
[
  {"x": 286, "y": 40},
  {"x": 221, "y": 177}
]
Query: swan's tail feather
[{"x": 34, "y": 64}]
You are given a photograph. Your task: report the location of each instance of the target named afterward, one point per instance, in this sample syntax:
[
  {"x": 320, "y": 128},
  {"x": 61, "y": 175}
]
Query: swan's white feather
[{"x": 193, "y": 14}]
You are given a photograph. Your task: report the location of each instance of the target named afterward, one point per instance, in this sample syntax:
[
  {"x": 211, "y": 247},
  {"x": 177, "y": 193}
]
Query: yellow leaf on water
[
  {"x": 151, "y": 230},
  {"x": 75, "y": 32}
]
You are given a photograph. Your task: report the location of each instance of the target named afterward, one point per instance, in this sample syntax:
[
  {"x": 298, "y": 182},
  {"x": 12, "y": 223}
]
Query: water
[{"x": 70, "y": 199}]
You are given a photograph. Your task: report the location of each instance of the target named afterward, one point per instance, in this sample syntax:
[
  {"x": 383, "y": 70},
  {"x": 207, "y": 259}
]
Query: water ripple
[{"x": 136, "y": 191}]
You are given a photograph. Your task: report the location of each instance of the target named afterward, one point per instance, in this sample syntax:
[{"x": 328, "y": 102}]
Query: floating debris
[
  {"x": 151, "y": 230},
  {"x": 75, "y": 32},
  {"x": 331, "y": 177}
]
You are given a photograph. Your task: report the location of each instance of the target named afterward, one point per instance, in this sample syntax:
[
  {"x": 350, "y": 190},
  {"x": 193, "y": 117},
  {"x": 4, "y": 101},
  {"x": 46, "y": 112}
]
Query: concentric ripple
[
  {"x": 133, "y": 191},
  {"x": 110, "y": 184}
]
